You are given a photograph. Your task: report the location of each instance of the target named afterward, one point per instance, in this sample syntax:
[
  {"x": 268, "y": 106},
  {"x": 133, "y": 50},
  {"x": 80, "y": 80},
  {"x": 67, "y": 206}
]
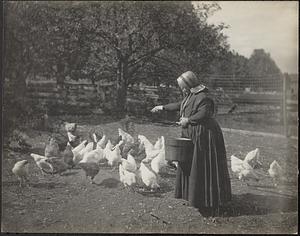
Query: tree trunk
[{"x": 122, "y": 74}]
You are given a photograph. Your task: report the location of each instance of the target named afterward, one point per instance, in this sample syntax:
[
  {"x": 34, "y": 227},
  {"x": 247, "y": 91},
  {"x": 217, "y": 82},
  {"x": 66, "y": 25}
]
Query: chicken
[
  {"x": 148, "y": 177},
  {"x": 58, "y": 165},
  {"x": 108, "y": 148},
  {"x": 73, "y": 139},
  {"x": 132, "y": 161},
  {"x": 68, "y": 156},
  {"x": 79, "y": 147},
  {"x": 126, "y": 177},
  {"x": 276, "y": 173},
  {"x": 253, "y": 158},
  {"x": 129, "y": 164},
  {"x": 150, "y": 151},
  {"x": 159, "y": 162},
  {"x": 20, "y": 169},
  {"x": 70, "y": 127},
  {"x": 243, "y": 170},
  {"x": 52, "y": 149},
  {"x": 158, "y": 144},
  {"x": 127, "y": 138},
  {"x": 22, "y": 140},
  {"x": 91, "y": 169},
  {"x": 90, "y": 163},
  {"x": 96, "y": 156},
  {"x": 43, "y": 165},
  {"x": 114, "y": 156},
  {"x": 102, "y": 142},
  {"x": 79, "y": 155}
]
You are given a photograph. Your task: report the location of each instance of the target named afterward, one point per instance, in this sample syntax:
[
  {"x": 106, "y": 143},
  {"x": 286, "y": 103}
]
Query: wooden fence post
[{"x": 284, "y": 105}]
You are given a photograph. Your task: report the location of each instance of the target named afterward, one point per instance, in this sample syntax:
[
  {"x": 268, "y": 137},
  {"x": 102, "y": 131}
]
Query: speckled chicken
[
  {"x": 43, "y": 165},
  {"x": 68, "y": 156}
]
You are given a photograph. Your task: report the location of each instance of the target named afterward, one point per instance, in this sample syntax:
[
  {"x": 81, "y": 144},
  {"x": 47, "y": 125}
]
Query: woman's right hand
[{"x": 157, "y": 108}]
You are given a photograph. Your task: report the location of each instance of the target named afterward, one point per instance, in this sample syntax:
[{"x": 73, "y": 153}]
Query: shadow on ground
[
  {"x": 252, "y": 204},
  {"x": 48, "y": 185},
  {"x": 109, "y": 183}
]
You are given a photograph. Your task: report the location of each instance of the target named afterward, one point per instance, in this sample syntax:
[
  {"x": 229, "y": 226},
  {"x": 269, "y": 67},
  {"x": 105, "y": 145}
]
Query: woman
[{"x": 204, "y": 180}]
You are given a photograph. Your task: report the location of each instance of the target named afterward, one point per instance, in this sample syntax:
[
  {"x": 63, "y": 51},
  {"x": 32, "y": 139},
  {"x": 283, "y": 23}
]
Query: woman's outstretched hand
[
  {"x": 183, "y": 121},
  {"x": 157, "y": 108}
]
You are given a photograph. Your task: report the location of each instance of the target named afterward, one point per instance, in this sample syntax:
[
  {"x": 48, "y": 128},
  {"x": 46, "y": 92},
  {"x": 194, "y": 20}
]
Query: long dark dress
[{"x": 204, "y": 180}]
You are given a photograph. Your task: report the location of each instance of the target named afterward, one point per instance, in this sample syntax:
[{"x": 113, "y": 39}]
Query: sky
[{"x": 270, "y": 25}]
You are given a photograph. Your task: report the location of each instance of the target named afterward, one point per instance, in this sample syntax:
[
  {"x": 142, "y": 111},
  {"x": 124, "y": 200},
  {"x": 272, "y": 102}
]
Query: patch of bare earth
[{"x": 69, "y": 203}]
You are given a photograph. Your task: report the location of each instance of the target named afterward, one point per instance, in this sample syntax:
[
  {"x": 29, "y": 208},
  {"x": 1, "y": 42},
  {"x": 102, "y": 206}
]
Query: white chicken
[
  {"x": 102, "y": 142},
  {"x": 126, "y": 177},
  {"x": 129, "y": 164},
  {"x": 79, "y": 155},
  {"x": 158, "y": 144},
  {"x": 276, "y": 172},
  {"x": 253, "y": 158},
  {"x": 150, "y": 151},
  {"x": 159, "y": 162},
  {"x": 20, "y": 169},
  {"x": 96, "y": 156},
  {"x": 148, "y": 177},
  {"x": 43, "y": 165},
  {"x": 108, "y": 148},
  {"x": 127, "y": 138},
  {"x": 114, "y": 156},
  {"x": 242, "y": 169},
  {"x": 81, "y": 146}
]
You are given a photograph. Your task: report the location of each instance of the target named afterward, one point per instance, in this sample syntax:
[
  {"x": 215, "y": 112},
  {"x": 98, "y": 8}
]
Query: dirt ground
[{"x": 69, "y": 203}]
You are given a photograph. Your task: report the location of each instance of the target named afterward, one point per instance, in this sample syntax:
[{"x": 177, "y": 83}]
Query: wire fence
[{"x": 255, "y": 103}]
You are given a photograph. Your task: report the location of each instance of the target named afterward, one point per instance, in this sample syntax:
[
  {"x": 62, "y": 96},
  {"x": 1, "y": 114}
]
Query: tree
[
  {"x": 129, "y": 37},
  {"x": 260, "y": 64},
  {"x": 264, "y": 70},
  {"x": 123, "y": 41}
]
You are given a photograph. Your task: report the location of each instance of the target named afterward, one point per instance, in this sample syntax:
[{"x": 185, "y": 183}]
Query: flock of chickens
[
  {"x": 100, "y": 152},
  {"x": 91, "y": 156},
  {"x": 250, "y": 168}
]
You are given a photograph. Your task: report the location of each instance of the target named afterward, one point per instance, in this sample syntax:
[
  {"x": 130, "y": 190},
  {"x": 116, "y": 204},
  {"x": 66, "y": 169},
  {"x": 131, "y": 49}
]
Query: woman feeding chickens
[{"x": 204, "y": 179}]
